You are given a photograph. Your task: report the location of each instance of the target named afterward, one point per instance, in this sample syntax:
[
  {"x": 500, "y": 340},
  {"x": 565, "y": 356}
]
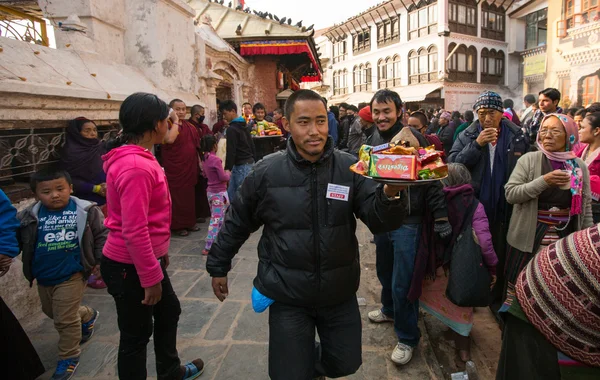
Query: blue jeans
[
  {"x": 238, "y": 174},
  {"x": 395, "y": 263}
]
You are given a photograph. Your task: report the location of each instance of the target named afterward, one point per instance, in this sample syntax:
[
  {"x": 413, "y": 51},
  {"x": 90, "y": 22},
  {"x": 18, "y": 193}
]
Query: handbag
[{"x": 469, "y": 280}]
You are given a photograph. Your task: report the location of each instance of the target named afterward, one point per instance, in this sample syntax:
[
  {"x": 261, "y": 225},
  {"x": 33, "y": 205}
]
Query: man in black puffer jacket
[
  {"x": 397, "y": 250},
  {"x": 308, "y": 200}
]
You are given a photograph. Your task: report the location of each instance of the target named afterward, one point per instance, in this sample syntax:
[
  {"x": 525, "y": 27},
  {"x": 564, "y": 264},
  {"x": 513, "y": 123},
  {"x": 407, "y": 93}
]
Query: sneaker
[
  {"x": 87, "y": 328},
  {"x": 192, "y": 370},
  {"x": 65, "y": 369},
  {"x": 377, "y": 316},
  {"x": 402, "y": 354}
]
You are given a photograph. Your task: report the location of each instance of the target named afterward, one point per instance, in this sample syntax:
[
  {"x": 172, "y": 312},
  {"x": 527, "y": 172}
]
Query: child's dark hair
[
  {"x": 258, "y": 106},
  {"x": 228, "y": 105},
  {"x": 139, "y": 113},
  {"x": 207, "y": 144},
  {"x": 48, "y": 174}
]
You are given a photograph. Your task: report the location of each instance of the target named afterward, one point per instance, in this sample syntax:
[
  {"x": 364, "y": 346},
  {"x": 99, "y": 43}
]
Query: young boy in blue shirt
[{"x": 61, "y": 238}]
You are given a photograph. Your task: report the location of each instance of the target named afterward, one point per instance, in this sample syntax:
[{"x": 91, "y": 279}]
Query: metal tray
[{"x": 404, "y": 182}]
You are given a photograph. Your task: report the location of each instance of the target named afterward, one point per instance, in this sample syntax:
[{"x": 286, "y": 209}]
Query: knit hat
[
  {"x": 489, "y": 100},
  {"x": 366, "y": 115},
  {"x": 558, "y": 291},
  {"x": 446, "y": 115}
]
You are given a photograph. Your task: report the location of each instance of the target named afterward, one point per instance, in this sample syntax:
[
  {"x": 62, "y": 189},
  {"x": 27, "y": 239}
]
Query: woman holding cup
[{"x": 550, "y": 189}]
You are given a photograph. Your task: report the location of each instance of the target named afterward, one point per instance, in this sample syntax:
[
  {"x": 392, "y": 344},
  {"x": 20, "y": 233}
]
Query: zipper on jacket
[{"x": 315, "y": 220}]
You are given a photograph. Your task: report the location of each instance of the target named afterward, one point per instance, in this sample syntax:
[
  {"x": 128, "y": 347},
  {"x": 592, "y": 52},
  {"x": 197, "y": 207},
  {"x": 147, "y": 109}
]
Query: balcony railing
[{"x": 22, "y": 26}]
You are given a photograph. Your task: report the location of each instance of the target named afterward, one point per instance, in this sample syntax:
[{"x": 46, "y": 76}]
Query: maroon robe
[{"x": 180, "y": 161}]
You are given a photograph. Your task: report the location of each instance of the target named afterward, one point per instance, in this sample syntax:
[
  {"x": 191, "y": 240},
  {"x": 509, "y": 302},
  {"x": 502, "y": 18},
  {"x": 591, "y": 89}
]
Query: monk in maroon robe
[
  {"x": 181, "y": 163},
  {"x": 202, "y": 206}
]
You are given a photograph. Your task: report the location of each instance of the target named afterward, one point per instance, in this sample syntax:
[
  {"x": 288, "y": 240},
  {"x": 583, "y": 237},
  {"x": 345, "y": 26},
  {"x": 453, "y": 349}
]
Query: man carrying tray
[
  {"x": 397, "y": 251},
  {"x": 308, "y": 200}
]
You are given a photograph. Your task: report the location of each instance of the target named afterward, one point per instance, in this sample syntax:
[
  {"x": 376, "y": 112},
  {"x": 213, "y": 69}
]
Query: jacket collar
[{"x": 297, "y": 158}]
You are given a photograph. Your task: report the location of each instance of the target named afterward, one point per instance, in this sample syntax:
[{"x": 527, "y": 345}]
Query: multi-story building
[
  {"x": 559, "y": 42},
  {"x": 434, "y": 53}
]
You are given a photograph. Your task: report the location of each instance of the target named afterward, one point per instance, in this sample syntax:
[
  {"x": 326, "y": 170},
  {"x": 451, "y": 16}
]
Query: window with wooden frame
[
  {"x": 462, "y": 65},
  {"x": 536, "y": 29},
  {"x": 589, "y": 11},
  {"x": 422, "y": 65},
  {"x": 492, "y": 21},
  {"x": 422, "y": 19},
  {"x": 361, "y": 41},
  {"x": 339, "y": 51},
  {"x": 492, "y": 66},
  {"x": 590, "y": 90},
  {"x": 389, "y": 72},
  {"x": 340, "y": 84},
  {"x": 362, "y": 77},
  {"x": 462, "y": 16},
  {"x": 388, "y": 32}
]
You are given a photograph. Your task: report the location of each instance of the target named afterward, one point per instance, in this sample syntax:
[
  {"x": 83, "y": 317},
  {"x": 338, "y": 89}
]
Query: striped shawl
[{"x": 559, "y": 291}]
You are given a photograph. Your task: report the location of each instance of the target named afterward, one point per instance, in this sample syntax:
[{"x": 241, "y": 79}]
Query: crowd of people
[{"x": 524, "y": 185}]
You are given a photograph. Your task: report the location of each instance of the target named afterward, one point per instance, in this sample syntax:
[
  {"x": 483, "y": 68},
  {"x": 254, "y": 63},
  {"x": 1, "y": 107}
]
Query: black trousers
[
  {"x": 18, "y": 358},
  {"x": 293, "y": 353},
  {"x": 526, "y": 354},
  {"x": 137, "y": 322}
]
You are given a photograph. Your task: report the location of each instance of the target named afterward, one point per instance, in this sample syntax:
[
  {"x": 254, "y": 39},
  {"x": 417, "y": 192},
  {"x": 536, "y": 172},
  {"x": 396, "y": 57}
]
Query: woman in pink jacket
[
  {"x": 459, "y": 197},
  {"x": 135, "y": 256},
  {"x": 589, "y": 136}
]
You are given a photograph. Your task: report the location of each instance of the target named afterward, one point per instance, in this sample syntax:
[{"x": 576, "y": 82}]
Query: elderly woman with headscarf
[
  {"x": 81, "y": 157},
  {"x": 552, "y": 327},
  {"x": 550, "y": 189}
]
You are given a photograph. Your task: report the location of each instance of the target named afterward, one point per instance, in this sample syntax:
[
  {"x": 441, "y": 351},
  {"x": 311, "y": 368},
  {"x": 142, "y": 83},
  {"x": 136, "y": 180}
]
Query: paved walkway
[{"x": 229, "y": 336}]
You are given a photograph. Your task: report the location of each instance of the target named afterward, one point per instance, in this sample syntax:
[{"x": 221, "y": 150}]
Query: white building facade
[{"x": 433, "y": 53}]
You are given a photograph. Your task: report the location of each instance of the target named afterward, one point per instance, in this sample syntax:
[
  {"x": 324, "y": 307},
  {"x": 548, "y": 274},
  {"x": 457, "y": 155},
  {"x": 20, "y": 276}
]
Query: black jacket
[
  {"x": 468, "y": 152},
  {"x": 308, "y": 250},
  {"x": 432, "y": 194},
  {"x": 240, "y": 148},
  {"x": 344, "y": 131}
]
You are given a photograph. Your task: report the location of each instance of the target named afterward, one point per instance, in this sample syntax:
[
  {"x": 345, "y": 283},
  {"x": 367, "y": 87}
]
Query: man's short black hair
[
  {"x": 551, "y": 93},
  {"x": 228, "y": 105},
  {"x": 530, "y": 98},
  {"x": 278, "y": 110},
  {"x": 384, "y": 96},
  {"x": 353, "y": 108},
  {"x": 48, "y": 174},
  {"x": 344, "y": 106},
  {"x": 196, "y": 108},
  {"x": 244, "y": 104},
  {"x": 362, "y": 105},
  {"x": 172, "y": 102},
  {"x": 325, "y": 100},
  {"x": 298, "y": 96},
  {"x": 508, "y": 103},
  {"x": 258, "y": 106},
  {"x": 421, "y": 116}
]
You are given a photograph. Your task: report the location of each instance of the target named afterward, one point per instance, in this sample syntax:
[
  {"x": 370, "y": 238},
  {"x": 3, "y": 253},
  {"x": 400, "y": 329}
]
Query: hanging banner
[{"x": 278, "y": 47}]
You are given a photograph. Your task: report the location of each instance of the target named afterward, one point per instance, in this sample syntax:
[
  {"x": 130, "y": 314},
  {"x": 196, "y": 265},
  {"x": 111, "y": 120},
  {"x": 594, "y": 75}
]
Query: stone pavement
[{"x": 229, "y": 336}]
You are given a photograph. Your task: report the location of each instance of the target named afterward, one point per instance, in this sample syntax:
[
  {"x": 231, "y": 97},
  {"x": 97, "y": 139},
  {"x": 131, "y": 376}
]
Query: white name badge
[{"x": 338, "y": 192}]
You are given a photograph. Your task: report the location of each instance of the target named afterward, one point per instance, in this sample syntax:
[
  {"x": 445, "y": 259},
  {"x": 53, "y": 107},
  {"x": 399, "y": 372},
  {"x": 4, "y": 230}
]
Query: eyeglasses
[
  {"x": 553, "y": 132},
  {"x": 483, "y": 114}
]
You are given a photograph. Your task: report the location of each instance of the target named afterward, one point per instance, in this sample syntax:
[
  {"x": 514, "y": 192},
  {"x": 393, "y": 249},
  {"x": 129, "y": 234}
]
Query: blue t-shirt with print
[{"x": 57, "y": 254}]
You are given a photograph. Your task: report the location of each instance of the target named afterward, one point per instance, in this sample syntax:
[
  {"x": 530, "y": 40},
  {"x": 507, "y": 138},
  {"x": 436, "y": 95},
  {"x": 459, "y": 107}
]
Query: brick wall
[{"x": 264, "y": 88}]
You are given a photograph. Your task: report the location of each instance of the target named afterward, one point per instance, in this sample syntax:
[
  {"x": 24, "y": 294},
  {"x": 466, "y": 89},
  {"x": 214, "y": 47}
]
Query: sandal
[
  {"x": 192, "y": 370},
  {"x": 195, "y": 228},
  {"x": 182, "y": 233}
]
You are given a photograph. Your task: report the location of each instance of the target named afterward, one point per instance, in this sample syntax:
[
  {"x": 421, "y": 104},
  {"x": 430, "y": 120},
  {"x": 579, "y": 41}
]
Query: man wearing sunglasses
[{"x": 490, "y": 148}]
